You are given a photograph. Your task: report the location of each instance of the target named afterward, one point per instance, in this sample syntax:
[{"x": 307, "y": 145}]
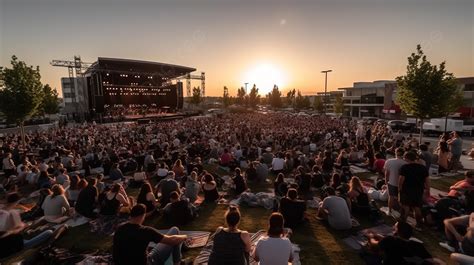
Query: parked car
[{"x": 399, "y": 125}]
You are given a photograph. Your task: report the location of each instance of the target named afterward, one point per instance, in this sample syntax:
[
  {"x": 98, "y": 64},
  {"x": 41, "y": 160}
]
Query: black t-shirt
[
  {"x": 86, "y": 199},
  {"x": 10, "y": 244},
  {"x": 398, "y": 251},
  {"x": 131, "y": 241},
  {"x": 292, "y": 211},
  {"x": 415, "y": 176}
]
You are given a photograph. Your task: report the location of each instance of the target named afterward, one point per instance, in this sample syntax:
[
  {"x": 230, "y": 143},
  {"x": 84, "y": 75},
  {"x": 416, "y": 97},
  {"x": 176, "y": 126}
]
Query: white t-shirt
[
  {"x": 55, "y": 207},
  {"x": 278, "y": 163},
  {"x": 339, "y": 216},
  {"x": 273, "y": 251},
  {"x": 9, "y": 220},
  {"x": 393, "y": 166}
]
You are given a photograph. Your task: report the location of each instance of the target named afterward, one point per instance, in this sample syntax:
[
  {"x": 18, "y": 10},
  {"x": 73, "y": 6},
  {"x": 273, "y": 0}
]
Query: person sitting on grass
[
  {"x": 11, "y": 229},
  {"x": 87, "y": 200},
  {"x": 239, "y": 182},
  {"x": 165, "y": 187},
  {"x": 455, "y": 241},
  {"x": 231, "y": 245},
  {"x": 292, "y": 209},
  {"x": 359, "y": 199},
  {"x": 280, "y": 187},
  {"x": 147, "y": 198},
  {"x": 209, "y": 187},
  {"x": 335, "y": 210},
  {"x": 192, "y": 187},
  {"x": 55, "y": 206},
  {"x": 116, "y": 173},
  {"x": 399, "y": 249},
  {"x": 179, "y": 211},
  {"x": 471, "y": 153},
  {"x": 275, "y": 248},
  {"x": 113, "y": 200},
  {"x": 131, "y": 240}
]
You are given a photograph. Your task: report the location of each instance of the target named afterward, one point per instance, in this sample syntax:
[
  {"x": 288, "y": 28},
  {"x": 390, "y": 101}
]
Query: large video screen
[{"x": 165, "y": 96}]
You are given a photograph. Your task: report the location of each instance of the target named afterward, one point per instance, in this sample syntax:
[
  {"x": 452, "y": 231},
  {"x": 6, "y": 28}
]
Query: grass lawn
[{"x": 319, "y": 244}]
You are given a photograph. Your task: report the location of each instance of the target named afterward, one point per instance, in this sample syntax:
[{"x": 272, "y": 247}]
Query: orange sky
[{"x": 360, "y": 40}]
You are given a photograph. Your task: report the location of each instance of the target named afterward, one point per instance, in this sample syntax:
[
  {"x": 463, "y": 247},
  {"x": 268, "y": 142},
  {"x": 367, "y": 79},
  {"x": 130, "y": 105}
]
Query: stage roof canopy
[{"x": 139, "y": 67}]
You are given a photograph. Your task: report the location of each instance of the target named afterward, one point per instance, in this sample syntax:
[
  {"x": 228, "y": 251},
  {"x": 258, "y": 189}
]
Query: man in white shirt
[
  {"x": 278, "y": 164},
  {"x": 335, "y": 210},
  {"x": 392, "y": 174}
]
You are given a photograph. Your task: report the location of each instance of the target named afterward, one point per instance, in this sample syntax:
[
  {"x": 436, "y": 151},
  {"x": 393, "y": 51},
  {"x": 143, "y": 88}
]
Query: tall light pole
[
  {"x": 246, "y": 87},
  {"x": 325, "y": 87}
]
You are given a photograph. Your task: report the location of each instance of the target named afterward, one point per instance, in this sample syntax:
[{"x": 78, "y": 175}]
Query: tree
[
  {"x": 318, "y": 104},
  {"x": 301, "y": 102},
  {"x": 427, "y": 91},
  {"x": 50, "y": 101},
  {"x": 339, "y": 105},
  {"x": 274, "y": 97},
  {"x": 253, "y": 97},
  {"x": 290, "y": 97},
  {"x": 226, "y": 100},
  {"x": 241, "y": 96},
  {"x": 21, "y": 93},
  {"x": 196, "y": 97}
]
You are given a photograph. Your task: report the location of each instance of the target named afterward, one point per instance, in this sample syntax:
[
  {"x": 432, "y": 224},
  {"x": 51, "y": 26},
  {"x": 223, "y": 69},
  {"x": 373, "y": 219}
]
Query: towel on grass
[{"x": 203, "y": 256}]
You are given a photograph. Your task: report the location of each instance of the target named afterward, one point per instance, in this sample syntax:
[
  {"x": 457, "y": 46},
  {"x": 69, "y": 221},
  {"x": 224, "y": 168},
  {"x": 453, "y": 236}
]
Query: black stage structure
[{"x": 122, "y": 83}]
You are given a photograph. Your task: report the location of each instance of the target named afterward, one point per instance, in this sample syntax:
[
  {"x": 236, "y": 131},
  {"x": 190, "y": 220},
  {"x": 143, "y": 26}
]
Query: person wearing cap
[
  {"x": 131, "y": 241},
  {"x": 11, "y": 229}
]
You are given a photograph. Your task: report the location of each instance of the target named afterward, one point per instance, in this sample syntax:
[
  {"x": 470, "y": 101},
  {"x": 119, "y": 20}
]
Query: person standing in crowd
[
  {"x": 443, "y": 157},
  {"x": 412, "y": 183},
  {"x": 132, "y": 238},
  {"x": 8, "y": 165},
  {"x": 455, "y": 143},
  {"x": 392, "y": 174},
  {"x": 231, "y": 245},
  {"x": 274, "y": 248}
]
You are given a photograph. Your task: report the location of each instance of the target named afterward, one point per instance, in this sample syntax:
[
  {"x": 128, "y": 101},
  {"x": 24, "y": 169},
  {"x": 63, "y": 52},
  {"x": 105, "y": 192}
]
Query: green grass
[{"x": 319, "y": 243}]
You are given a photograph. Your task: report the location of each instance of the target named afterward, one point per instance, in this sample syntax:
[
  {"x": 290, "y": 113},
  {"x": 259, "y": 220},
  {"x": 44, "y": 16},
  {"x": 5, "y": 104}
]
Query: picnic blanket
[
  {"x": 203, "y": 256},
  {"x": 359, "y": 240},
  {"x": 356, "y": 169},
  {"x": 263, "y": 199}
]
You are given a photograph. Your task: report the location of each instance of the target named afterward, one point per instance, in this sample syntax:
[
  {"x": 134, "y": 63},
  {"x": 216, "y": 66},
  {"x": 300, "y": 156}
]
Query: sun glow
[{"x": 264, "y": 75}]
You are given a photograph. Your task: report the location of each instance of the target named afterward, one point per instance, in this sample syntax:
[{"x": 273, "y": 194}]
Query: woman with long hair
[
  {"x": 147, "y": 198},
  {"x": 209, "y": 187},
  {"x": 178, "y": 170},
  {"x": 231, "y": 245},
  {"x": 443, "y": 157},
  {"x": 115, "y": 198},
  {"x": 359, "y": 199},
  {"x": 275, "y": 248}
]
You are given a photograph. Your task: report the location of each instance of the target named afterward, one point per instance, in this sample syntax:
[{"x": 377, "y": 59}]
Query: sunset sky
[{"x": 288, "y": 42}]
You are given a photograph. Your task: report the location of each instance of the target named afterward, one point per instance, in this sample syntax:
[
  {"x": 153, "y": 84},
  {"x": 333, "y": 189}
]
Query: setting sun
[{"x": 265, "y": 75}]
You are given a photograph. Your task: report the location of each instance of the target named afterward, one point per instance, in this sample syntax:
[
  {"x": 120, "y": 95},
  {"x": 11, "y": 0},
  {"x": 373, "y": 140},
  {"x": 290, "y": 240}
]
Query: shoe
[{"x": 446, "y": 246}]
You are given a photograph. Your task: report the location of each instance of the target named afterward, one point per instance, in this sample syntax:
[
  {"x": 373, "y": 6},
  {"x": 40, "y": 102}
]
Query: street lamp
[
  {"x": 246, "y": 87},
  {"x": 325, "y": 87}
]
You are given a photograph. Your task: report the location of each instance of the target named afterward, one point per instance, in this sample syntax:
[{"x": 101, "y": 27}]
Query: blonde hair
[{"x": 355, "y": 184}]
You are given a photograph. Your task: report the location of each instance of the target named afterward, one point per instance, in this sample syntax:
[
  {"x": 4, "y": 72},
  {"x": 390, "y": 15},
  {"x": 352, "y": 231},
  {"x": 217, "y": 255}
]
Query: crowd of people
[{"x": 89, "y": 169}]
